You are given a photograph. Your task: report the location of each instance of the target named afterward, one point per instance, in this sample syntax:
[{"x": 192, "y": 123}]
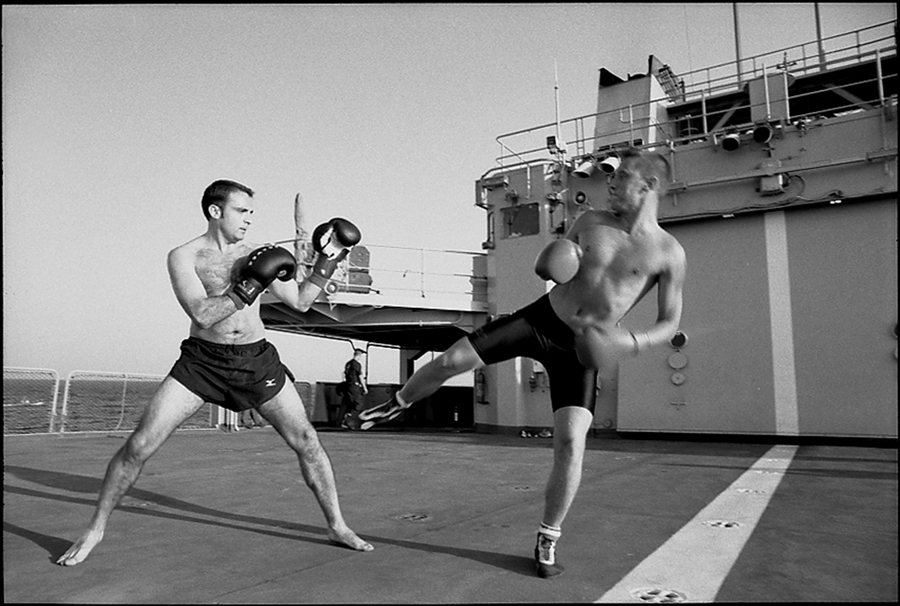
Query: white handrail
[
  {"x": 404, "y": 269},
  {"x": 718, "y": 79}
]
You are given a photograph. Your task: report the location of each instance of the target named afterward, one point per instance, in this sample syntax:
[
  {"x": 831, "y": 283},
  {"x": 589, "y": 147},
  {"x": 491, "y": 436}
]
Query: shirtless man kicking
[
  {"x": 608, "y": 261},
  {"x": 217, "y": 278}
]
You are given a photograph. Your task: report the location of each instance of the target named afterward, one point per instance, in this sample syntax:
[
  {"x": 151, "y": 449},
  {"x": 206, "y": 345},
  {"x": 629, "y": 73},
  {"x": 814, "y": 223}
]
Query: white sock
[
  {"x": 400, "y": 400},
  {"x": 550, "y": 532}
]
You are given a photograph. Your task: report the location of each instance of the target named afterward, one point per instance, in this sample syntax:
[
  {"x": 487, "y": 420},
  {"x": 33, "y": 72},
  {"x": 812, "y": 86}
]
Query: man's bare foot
[
  {"x": 348, "y": 538},
  {"x": 80, "y": 549}
]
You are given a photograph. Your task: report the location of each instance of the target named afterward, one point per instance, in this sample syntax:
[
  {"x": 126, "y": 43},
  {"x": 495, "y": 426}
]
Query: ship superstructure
[{"x": 784, "y": 197}]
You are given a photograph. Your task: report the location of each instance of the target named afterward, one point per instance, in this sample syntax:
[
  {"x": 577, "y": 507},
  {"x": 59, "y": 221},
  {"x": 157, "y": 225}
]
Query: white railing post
[
  {"x": 122, "y": 409},
  {"x": 65, "y": 405}
]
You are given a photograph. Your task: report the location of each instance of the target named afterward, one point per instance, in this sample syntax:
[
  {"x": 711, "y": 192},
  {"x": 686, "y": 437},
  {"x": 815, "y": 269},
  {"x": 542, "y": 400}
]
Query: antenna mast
[
  {"x": 555, "y": 143},
  {"x": 556, "y": 94}
]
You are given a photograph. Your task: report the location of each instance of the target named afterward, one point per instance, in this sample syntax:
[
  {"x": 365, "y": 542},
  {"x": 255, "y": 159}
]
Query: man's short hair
[
  {"x": 650, "y": 164},
  {"x": 217, "y": 193}
]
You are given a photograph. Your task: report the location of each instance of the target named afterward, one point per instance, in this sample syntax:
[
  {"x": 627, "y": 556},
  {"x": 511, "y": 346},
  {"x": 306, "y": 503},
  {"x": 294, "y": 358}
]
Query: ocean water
[{"x": 93, "y": 405}]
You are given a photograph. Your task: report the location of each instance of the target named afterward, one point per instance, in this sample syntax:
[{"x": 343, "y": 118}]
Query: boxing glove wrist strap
[
  {"x": 318, "y": 279},
  {"x": 325, "y": 267},
  {"x": 238, "y": 302}
]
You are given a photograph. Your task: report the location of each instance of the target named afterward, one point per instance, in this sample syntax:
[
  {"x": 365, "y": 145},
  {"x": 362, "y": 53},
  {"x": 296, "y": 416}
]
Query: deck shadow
[{"x": 90, "y": 486}]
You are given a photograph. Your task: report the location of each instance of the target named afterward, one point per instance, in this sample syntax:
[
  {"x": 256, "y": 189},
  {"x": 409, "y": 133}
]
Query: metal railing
[
  {"x": 112, "y": 401},
  {"x": 409, "y": 272},
  {"x": 874, "y": 43},
  {"x": 97, "y": 401},
  {"x": 837, "y": 51}
]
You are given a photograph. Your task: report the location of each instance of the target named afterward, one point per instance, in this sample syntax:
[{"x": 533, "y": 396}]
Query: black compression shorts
[
  {"x": 537, "y": 332},
  {"x": 236, "y": 377}
]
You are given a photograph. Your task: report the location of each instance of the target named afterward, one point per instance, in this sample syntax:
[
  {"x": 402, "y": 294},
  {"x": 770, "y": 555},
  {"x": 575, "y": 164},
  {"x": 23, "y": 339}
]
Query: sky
[{"x": 116, "y": 118}]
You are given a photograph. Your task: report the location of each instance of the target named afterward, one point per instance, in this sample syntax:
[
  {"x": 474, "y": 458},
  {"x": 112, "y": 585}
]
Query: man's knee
[
  {"x": 460, "y": 358},
  {"x": 570, "y": 431},
  {"x": 139, "y": 447},
  {"x": 304, "y": 435},
  {"x": 289, "y": 419},
  {"x": 568, "y": 445},
  {"x": 304, "y": 441}
]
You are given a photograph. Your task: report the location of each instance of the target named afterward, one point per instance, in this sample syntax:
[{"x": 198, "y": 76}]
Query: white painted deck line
[
  {"x": 692, "y": 565},
  {"x": 782, "y": 325}
]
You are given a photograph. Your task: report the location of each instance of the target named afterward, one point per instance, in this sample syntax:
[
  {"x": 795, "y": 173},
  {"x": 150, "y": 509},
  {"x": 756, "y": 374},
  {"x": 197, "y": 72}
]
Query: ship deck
[{"x": 226, "y": 518}]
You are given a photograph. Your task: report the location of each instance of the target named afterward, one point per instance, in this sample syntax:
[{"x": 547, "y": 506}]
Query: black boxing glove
[
  {"x": 262, "y": 267},
  {"x": 332, "y": 241}
]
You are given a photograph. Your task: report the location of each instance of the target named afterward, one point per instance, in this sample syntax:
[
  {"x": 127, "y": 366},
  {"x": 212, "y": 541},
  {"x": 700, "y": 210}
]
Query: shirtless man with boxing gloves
[
  {"x": 226, "y": 360},
  {"x": 608, "y": 261}
]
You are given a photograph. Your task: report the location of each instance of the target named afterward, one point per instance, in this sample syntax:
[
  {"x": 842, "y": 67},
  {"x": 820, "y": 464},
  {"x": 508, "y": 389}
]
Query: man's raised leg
[
  {"x": 460, "y": 358},
  {"x": 170, "y": 406},
  {"x": 287, "y": 414}
]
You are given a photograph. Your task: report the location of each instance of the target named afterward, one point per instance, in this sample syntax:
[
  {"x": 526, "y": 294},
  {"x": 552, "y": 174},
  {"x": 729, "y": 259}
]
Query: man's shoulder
[
  {"x": 588, "y": 219},
  {"x": 192, "y": 245},
  {"x": 670, "y": 248},
  {"x": 593, "y": 216},
  {"x": 186, "y": 251},
  {"x": 670, "y": 242}
]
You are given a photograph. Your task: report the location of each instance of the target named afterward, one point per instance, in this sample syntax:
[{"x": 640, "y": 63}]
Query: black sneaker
[
  {"x": 382, "y": 413},
  {"x": 545, "y": 557},
  {"x": 350, "y": 422}
]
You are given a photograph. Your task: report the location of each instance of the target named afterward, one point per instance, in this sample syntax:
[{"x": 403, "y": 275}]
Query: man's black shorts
[
  {"x": 537, "y": 332},
  {"x": 236, "y": 377}
]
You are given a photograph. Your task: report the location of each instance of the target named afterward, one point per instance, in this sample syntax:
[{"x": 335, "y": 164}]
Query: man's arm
[
  {"x": 669, "y": 303},
  {"x": 599, "y": 347},
  {"x": 362, "y": 378},
  {"x": 297, "y": 296},
  {"x": 332, "y": 242},
  {"x": 204, "y": 311}
]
